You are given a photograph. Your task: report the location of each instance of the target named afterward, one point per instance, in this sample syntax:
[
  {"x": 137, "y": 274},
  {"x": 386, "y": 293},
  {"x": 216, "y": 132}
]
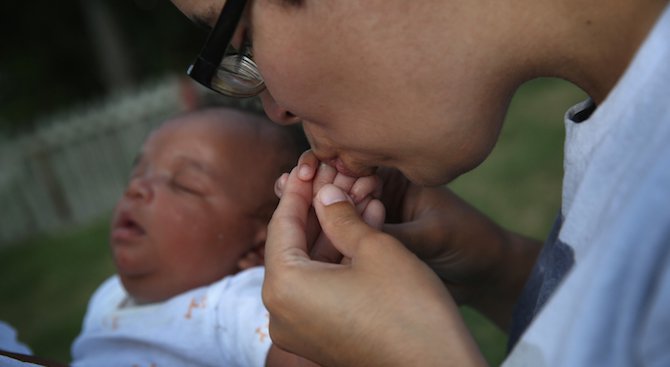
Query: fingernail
[
  {"x": 305, "y": 172},
  {"x": 324, "y": 168},
  {"x": 330, "y": 194}
]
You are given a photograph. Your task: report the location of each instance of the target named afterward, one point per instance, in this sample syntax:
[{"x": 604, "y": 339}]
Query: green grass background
[{"x": 45, "y": 282}]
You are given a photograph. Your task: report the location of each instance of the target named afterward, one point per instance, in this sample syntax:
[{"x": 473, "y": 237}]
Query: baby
[{"x": 185, "y": 237}]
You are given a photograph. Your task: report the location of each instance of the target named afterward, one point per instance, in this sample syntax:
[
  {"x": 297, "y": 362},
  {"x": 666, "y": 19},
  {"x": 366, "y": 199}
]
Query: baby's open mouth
[
  {"x": 131, "y": 225},
  {"x": 127, "y": 228}
]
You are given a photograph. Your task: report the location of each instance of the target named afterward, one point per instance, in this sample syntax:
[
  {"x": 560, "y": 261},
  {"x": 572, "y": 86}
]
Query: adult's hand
[
  {"x": 384, "y": 307},
  {"x": 483, "y": 265},
  {"x": 361, "y": 190}
]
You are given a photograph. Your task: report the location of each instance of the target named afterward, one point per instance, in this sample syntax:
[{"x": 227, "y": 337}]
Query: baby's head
[{"x": 198, "y": 201}]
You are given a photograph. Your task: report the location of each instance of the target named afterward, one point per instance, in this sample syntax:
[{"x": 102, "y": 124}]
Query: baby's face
[{"x": 196, "y": 203}]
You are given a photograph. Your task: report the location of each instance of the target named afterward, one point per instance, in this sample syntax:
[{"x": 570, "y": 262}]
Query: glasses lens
[{"x": 238, "y": 76}]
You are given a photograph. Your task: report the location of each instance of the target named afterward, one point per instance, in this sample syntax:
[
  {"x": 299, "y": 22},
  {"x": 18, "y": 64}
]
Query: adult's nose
[{"x": 275, "y": 112}]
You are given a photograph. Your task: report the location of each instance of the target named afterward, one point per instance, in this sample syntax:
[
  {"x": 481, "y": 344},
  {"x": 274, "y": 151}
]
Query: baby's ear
[{"x": 255, "y": 257}]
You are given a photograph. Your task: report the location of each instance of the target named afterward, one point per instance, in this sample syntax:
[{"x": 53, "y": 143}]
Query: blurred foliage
[
  {"x": 46, "y": 284},
  {"x": 522, "y": 177},
  {"x": 48, "y": 58}
]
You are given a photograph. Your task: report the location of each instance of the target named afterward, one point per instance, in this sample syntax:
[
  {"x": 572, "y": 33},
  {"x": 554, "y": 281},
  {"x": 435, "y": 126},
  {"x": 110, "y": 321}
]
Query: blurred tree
[{"x": 54, "y": 53}]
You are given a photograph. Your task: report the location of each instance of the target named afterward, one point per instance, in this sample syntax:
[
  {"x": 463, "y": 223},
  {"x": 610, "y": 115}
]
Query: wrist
[{"x": 496, "y": 297}]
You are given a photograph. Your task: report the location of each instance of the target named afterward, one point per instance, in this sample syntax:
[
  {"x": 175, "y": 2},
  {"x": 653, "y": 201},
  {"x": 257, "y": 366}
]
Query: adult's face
[{"x": 377, "y": 83}]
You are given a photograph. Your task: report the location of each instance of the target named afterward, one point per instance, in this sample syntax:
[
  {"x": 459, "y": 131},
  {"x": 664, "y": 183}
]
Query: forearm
[{"x": 497, "y": 296}]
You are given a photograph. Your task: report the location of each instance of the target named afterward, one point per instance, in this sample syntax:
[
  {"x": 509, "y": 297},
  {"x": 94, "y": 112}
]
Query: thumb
[{"x": 339, "y": 220}]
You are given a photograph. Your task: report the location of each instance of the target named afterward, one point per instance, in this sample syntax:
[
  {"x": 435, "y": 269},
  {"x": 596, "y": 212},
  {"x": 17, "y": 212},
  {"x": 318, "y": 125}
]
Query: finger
[
  {"x": 325, "y": 174},
  {"x": 361, "y": 205},
  {"x": 286, "y": 239},
  {"x": 323, "y": 249},
  {"x": 308, "y": 164},
  {"x": 280, "y": 183},
  {"x": 339, "y": 220},
  {"x": 364, "y": 187},
  {"x": 344, "y": 182},
  {"x": 374, "y": 214}
]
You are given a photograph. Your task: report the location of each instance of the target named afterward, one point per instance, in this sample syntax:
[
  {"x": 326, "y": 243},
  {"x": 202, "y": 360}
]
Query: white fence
[{"x": 75, "y": 167}]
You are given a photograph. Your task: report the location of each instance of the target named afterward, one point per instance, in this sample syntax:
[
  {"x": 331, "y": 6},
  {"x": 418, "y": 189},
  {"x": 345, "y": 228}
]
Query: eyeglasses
[{"x": 222, "y": 68}]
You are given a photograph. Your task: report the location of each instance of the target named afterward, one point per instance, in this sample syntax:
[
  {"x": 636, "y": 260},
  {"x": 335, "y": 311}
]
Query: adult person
[{"x": 422, "y": 87}]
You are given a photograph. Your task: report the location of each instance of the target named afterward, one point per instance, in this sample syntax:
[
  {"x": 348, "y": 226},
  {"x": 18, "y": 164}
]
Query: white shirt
[
  {"x": 613, "y": 306},
  {"x": 223, "y": 324}
]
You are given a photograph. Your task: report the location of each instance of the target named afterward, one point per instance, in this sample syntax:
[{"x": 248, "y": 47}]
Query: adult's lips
[{"x": 342, "y": 168}]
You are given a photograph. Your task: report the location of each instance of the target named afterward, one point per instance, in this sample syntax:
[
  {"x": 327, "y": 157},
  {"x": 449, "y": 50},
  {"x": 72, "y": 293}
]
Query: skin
[
  {"x": 380, "y": 85},
  {"x": 423, "y": 89},
  {"x": 197, "y": 203}
]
